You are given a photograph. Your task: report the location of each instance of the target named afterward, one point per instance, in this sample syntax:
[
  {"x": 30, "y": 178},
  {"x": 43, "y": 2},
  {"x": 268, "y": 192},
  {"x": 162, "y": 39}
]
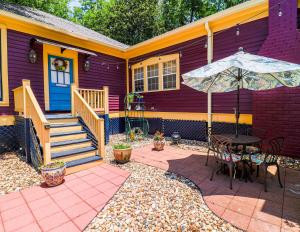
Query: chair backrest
[
  {"x": 275, "y": 149},
  {"x": 222, "y": 146}
]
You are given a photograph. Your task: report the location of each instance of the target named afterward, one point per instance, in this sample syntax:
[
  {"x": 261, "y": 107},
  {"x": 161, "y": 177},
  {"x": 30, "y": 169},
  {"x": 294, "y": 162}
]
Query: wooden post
[
  {"x": 25, "y": 83},
  {"x": 47, "y": 153},
  {"x": 101, "y": 139},
  {"x": 73, "y": 88},
  {"x": 106, "y": 99}
]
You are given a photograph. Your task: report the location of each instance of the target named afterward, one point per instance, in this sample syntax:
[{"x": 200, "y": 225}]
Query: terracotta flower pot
[
  {"x": 53, "y": 176},
  {"x": 122, "y": 156},
  {"x": 159, "y": 144}
]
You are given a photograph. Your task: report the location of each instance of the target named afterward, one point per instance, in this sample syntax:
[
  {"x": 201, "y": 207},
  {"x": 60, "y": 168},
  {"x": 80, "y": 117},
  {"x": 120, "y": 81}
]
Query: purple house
[{"x": 63, "y": 85}]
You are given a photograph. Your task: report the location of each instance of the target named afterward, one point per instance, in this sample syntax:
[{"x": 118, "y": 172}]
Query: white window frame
[{"x": 157, "y": 60}]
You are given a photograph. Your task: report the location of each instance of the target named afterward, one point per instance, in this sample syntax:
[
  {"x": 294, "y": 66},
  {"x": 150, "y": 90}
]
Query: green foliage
[
  {"x": 158, "y": 136},
  {"x": 131, "y": 21},
  {"x": 56, "y": 7},
  {"x": 54, "y": 165},
  {"x": 121, "y": 146}
]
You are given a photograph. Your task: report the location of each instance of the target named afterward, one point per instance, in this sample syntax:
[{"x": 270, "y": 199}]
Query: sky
[{"x": 74, "y": 3}]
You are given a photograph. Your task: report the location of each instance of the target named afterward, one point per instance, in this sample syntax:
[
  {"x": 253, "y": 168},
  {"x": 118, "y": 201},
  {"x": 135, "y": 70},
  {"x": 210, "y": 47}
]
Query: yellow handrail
[
  {"x": 27, "y": 105},
  {"x": 80, "y": 107},
  {"x": 96, "y": 98}
]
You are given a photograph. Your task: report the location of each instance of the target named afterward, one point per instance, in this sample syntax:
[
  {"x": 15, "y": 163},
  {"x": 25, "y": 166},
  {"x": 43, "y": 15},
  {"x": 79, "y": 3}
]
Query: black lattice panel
[
  {"x": 35, "y": 149},
  {"x": 8, "y": 139},
  {"x": 194, "y": 130},
  {"x": 228, "y": 128},
  {"x": 155, "y": 124},
  {"x": 117, "y": 126},
  {"x": 20, "y": 131}
]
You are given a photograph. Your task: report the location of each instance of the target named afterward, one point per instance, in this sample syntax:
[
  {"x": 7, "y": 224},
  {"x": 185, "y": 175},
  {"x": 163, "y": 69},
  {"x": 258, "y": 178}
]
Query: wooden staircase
[{"x": 70, "y": 142}]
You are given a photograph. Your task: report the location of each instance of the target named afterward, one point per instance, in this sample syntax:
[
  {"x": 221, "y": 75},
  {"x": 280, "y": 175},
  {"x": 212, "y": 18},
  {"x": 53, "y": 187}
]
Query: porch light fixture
[
  {"x": 32, "y": 55},
  {"x": 238, "y": 30},
  {"x": 180, "y": 54},
  {"x": 279, "y": 10},
  {"x": 86, "y": 64}
]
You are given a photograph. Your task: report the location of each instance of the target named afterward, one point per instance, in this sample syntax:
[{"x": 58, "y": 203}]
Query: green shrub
[
  {"x": 121, "y": 146},
  {"x": 56, "y": 164}
]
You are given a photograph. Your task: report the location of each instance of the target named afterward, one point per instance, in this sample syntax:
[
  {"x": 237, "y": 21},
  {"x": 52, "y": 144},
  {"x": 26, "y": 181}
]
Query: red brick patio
[
  {"x": 247, "y": 206},
  {"x": 68, "y": 207}
]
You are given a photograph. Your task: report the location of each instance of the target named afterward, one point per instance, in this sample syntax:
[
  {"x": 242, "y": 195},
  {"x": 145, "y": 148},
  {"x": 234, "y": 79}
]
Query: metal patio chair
[
  {"x": 210, "y": 147},
  {"x": 224, "y": 156},
  {"x": 270, "y": 158}
]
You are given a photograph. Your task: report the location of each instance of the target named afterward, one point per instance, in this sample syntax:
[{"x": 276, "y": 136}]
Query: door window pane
[
  {"x": 152, "y": 76},
  {"x": 60, "y": 77},
  {"x": 169, "y": 75},
  {"x": 53, "y": 77},
  {"x": 67, "y": 78},
  {"x": 139, "y": 80}
]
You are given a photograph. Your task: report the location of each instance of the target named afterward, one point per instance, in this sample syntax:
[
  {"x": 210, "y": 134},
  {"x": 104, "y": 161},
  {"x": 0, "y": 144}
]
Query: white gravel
[{"x": 154, "y": 200}]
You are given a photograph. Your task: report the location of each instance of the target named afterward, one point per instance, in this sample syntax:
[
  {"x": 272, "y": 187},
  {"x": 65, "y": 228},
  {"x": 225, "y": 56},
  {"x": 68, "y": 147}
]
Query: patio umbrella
[{"x": 243, "y": 71}]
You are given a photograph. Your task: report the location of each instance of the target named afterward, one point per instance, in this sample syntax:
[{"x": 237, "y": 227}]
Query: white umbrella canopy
[
  {"x": 256, "y": 73},
  {"x": 243, "y": 70}
]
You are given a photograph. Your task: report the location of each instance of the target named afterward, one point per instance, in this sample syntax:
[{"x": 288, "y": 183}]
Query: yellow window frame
[
  {"x": 157, "y": 60},
  {"x": 4, "y": 66}
]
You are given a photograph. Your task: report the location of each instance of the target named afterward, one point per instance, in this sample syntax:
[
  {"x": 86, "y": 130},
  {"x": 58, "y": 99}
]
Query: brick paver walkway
[
  {"x": 68, "y": 207},
  {"x": 247, "y": 206}
]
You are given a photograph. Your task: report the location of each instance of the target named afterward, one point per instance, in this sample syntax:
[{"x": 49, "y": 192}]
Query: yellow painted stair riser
[
  {"x": 83, "y": 167},
  {"x": 67, "y": 138},
  {"x": 63, "y": 121},
  {"x": 65, "y": 129}
]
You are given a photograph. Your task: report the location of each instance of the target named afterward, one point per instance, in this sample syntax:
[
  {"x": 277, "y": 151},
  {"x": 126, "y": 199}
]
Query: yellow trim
[
  {"x": 216, "y": 117},
  {"x": 56, "y": 51},
  {"x": 7, "y": 120},
  {"x": 4, "y": 67},
  {"x": 157, "y": 60},
  {"x": 219, "y": 21},
  {"x": 127, "y": 76},
  {"x": 32, "y": 27}
]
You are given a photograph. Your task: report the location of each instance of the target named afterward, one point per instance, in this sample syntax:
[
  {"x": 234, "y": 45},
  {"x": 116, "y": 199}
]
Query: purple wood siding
[
  {"x": 19, "y": 68},
  {"x": 193, "y": 52},
  {"x": 99, "y": 76}
]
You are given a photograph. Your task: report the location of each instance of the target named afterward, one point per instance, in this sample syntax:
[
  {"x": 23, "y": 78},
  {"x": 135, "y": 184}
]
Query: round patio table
[{"x": 244, "y": 140}]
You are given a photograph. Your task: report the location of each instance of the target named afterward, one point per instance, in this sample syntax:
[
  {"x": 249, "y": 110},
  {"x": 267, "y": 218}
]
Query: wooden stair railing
[
  {"x": 97, "y": 99},
  {"x": 27, "y": 105},
  {"x": 81, "y": 108}
]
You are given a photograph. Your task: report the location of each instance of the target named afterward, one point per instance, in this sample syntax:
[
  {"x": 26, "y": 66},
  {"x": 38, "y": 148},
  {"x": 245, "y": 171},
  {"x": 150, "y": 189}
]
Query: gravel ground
[
  {"x": 16, "y": 174},
  {"x": 154, "y": 200}
]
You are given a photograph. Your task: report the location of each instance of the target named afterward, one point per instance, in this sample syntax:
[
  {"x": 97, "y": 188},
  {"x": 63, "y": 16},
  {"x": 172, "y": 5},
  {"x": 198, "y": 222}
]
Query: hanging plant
[{"x": 60, "y": 64}]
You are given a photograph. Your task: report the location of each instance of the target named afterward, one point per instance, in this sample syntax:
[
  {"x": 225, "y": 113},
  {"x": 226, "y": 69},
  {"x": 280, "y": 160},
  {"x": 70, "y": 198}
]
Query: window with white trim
[
  {"x": 139, "y": 79},
  {"x": 152, "y": 76},
  {"x": 169, "y": 75},
  {"x": 160, "y": 73}
]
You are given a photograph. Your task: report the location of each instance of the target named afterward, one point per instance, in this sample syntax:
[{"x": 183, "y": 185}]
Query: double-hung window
[
  {"x": 152, "y": 76},
  {"x": 139, "y": 80},
  {"x": 4, "y": 96},
  {"x": 160, "y": 73}
]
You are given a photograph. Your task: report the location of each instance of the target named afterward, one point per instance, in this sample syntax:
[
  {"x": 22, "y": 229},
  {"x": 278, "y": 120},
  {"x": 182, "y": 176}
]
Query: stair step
[
  {"x": 59, "y": 125},
  {"x": 67, "y": 133},
  {"x": 59, "y": 116},
  {"x": 72, "y": 152},
  {"x": 70, "y": 142},
  {"x": 83, "y": 161}
]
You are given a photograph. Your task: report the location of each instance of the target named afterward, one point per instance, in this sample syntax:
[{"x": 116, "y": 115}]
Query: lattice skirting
[
  {"x": 8, "y": 139},
  {"x": 188, "y": 129}
]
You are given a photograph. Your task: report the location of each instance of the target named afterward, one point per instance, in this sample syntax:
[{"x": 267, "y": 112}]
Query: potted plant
[
  {"x": 54, "y": 173},
  {"x": 159, "y": 141},
  {"x": 122, "y": 152},
  {"x": 130, "y": 97},
  {"x": 140, "y": 103}
]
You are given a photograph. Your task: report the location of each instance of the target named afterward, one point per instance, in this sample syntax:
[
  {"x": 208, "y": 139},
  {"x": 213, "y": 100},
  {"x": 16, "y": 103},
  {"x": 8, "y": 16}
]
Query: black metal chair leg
[
  {"x": 230, "y": 174},
  {"x": 265, "y": 177},
  {"x": 257, "y": 170},
  {"x": 213, "y": 172},
  {"x": 207, "y": 157},
  {"x": 278, "y": 174}
]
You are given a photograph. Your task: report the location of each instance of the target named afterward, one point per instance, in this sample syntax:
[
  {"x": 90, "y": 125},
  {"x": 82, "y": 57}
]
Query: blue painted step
[
  {"x": 67, "y": 133},
  {"x": 72, "y": 152},
  {"x": 70, "y": 142},
  {"x": 83, "y": 161},
  {"x": 64, "y": 125},
  {"x": 59, "y": 116}
]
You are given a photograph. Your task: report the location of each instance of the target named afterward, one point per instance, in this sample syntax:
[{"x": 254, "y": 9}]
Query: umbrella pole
[{"x": 237, "y": 113}]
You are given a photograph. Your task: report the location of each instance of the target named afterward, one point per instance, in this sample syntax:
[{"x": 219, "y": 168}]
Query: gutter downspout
[
  {"x": 127, "y": 76},
  {"x": 210, "y": 40}
]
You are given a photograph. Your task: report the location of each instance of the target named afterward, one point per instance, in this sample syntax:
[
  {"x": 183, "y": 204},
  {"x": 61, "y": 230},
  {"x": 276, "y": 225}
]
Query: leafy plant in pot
[
  {"x": 159, "y": 141},
  {"x": 53, "y": 173},
  {"x": 122, "y": 152}
]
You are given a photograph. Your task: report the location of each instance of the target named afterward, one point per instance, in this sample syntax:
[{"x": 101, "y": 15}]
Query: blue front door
[{"x": 60, "y": 80}]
